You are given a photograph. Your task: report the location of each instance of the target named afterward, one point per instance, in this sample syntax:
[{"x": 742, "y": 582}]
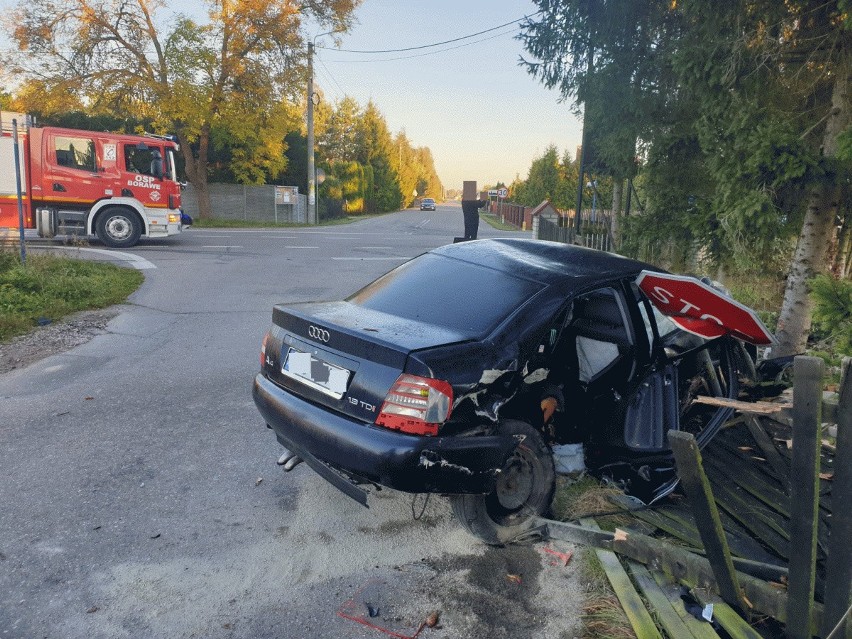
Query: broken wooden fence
[{"x": 766, "y": 532}]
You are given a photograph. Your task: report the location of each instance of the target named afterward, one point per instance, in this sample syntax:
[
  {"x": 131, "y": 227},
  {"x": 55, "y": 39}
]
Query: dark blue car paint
[{"x": 484, "y": 362}]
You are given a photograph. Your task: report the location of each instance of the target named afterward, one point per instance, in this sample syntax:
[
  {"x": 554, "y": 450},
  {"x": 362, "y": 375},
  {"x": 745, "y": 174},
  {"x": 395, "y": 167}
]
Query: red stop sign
[{"x": 702, "y": 309}]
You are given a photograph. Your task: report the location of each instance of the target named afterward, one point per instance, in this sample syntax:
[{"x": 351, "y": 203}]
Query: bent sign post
[{"x": 701, "y": 309}]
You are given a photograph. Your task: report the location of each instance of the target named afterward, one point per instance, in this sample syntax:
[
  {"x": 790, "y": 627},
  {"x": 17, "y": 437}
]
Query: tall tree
[
  {"x": 739, "y": 109},
  {"x": 773, "y": 80},
  {"x": 339, "y": 142},
  {"x": 374, "y": 151},
  {"x": 187, "y": 77}
]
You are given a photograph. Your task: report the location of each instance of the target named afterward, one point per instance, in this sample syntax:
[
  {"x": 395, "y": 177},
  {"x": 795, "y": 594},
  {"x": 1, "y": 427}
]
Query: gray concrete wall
[{"x": 244, "y": 202}]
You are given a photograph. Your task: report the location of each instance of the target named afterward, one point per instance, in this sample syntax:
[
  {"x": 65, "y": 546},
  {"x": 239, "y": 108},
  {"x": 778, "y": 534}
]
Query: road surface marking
[
  {"x": 137, "y": 262},
  {"x": 216, "y": 235},
  {"x": 224, "y": 246},
  {"x": 371, "y": 258},
  {"x": 373, "y": 247}
]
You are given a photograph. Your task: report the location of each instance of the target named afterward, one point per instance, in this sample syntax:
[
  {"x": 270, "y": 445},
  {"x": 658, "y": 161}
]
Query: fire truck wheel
[{"x": 118, "y": 227}]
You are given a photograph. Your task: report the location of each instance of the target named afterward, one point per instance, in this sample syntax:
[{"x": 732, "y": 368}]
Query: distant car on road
[
  {"x": 433, "y": 379},
  {"x": 427, "y": 204}
]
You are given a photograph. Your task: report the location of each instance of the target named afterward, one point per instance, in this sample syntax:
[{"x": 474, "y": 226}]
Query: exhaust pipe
[{"x": 289, "y": 460}]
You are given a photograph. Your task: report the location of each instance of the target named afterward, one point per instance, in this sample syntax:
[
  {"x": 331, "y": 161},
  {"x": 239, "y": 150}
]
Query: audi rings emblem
[{"x": 319, "y": 334}]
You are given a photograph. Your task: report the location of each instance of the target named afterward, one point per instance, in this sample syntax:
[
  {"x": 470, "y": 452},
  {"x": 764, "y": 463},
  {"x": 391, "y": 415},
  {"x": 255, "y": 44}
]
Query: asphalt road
[{"x": 140, "y": 496}]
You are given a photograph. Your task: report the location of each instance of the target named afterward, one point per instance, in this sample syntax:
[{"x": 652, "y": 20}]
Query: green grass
[
  {"x": 49, "y": 287},
  {"x": 494, "y": 221},
  {"x": 602, "y": 615}
]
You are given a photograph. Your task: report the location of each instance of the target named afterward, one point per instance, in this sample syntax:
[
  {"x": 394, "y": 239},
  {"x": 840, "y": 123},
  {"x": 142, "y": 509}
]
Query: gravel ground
[{"x": 58, "y": 337}]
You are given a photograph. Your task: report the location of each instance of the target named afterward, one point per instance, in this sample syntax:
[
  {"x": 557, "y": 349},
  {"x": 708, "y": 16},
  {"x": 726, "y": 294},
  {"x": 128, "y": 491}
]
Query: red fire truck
[{"x": 118, "y": 187}]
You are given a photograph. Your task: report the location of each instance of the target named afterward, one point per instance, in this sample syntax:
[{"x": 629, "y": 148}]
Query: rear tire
[
  {"x": 118, "y": 227},
  {"x": 523, "y": 491}
]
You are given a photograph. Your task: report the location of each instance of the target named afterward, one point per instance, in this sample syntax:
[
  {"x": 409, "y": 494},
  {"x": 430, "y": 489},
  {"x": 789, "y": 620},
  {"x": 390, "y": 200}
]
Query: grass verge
[
  {"x": 49, "y": 287},
  {"x": 494, "y": 221},
  {"x": 602, "y": 615}
]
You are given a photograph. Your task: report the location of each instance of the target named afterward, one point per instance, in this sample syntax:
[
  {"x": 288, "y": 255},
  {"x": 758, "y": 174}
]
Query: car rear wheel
[{"x": 523, "y": 490}]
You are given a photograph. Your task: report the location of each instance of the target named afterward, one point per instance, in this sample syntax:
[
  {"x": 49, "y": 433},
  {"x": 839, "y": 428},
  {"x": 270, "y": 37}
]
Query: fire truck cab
[{"x": 74, "y": 182}]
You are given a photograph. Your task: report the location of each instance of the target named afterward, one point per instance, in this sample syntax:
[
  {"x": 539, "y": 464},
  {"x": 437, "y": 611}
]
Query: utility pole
[
  {"x": 313, "y": 213},
  {"x": 312, "y": 181}
]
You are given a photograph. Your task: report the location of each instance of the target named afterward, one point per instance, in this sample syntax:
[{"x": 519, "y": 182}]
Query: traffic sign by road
[
  {"x": 702, "y": 309},
  {"x": 502, "y": 193},
  {"x": 492, "y": 192}
]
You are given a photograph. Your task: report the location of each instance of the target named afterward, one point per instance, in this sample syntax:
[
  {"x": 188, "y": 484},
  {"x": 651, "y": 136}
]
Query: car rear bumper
[{"x": 396, "y": 460}]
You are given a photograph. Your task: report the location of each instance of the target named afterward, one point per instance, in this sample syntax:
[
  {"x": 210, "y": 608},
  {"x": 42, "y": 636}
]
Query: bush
[{"x": 832, "y": 313}]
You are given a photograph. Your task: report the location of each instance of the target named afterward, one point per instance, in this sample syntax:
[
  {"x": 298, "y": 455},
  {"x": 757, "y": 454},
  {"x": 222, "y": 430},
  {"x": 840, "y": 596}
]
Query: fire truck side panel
[
  {"x": 8, "y": 189},
  {"x": 81, "y": 175}
]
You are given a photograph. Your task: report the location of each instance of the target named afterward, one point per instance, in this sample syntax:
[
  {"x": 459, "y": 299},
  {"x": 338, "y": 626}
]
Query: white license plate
[{"x": 324, "y": 377}]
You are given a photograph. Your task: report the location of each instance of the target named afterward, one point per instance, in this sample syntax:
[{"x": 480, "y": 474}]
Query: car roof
[{"x": 551, "y": 263}]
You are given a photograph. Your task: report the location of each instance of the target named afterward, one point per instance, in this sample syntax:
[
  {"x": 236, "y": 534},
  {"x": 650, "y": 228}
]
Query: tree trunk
[
  {"x": 196, "y": 170},
  {"x": 617, "y": 191},
  {"x": 811, "y": 257},
  {"x": 842, "y": 267}
]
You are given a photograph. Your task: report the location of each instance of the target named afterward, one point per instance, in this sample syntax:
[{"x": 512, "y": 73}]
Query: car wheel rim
[
  {"x": 515, "y": 483},
  {"x": 118, "y": 228}
]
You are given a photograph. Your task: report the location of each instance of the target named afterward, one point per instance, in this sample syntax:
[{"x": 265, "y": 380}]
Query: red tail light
[{"x": 416, "y": 405}]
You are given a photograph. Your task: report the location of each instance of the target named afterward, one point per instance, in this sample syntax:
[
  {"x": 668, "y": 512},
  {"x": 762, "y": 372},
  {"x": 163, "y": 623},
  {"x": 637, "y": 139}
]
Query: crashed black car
[{"x": 431, "y": 379}]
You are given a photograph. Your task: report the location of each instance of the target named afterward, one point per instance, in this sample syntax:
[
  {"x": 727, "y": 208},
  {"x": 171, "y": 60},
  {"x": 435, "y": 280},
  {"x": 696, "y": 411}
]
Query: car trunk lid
[{"x": 344, "y": 356}]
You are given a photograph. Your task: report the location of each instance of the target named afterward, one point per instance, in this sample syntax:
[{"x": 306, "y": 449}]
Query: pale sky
[{"x": 484, "y": 117}]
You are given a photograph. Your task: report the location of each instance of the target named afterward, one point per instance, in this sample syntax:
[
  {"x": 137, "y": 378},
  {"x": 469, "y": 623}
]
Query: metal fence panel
[{"x": 246, "y": 202}]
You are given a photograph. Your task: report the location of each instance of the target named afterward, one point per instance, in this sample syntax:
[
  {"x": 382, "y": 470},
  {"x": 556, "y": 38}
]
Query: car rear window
[{"x": 446, "y": 292}]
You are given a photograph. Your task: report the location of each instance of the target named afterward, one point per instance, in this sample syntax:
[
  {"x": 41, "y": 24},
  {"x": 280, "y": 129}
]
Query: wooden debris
[
  {"x": 672, "y": 591},
  {"x": 759, "y": 408},
  {"x": 676, "y": 625},
  {"x": 641, "y": 621},
  {"x": 727, "y": 617},
  {"x": 697, "y": 488}
]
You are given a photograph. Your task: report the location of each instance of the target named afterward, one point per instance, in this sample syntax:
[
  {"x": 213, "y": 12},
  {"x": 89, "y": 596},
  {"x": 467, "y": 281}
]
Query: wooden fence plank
[
  {"x": 674, "y": 624},
  {"x": 697, "y": 487},
  {"x": 695, "y": 571},
  {"x": 741, "y": 469},
  {"x": 839, "y": 575},
  {"x": 760, "y": 408},
  {"x": 726, "y": 616},
  {"x": 804, "y": 493},
  {"x": 641, "y": 621},
  {"x": 770, "y": 452},
  {"x": 758, "y": 523},
  {"x": 672, "y": 590}
]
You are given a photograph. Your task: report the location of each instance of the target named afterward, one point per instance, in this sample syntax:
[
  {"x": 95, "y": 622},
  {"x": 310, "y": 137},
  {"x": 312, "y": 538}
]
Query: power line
[
  {"x": 435, "y": 44},
  {"x": 421, "y": 55},
  {"x": 330, "y": 75}
]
